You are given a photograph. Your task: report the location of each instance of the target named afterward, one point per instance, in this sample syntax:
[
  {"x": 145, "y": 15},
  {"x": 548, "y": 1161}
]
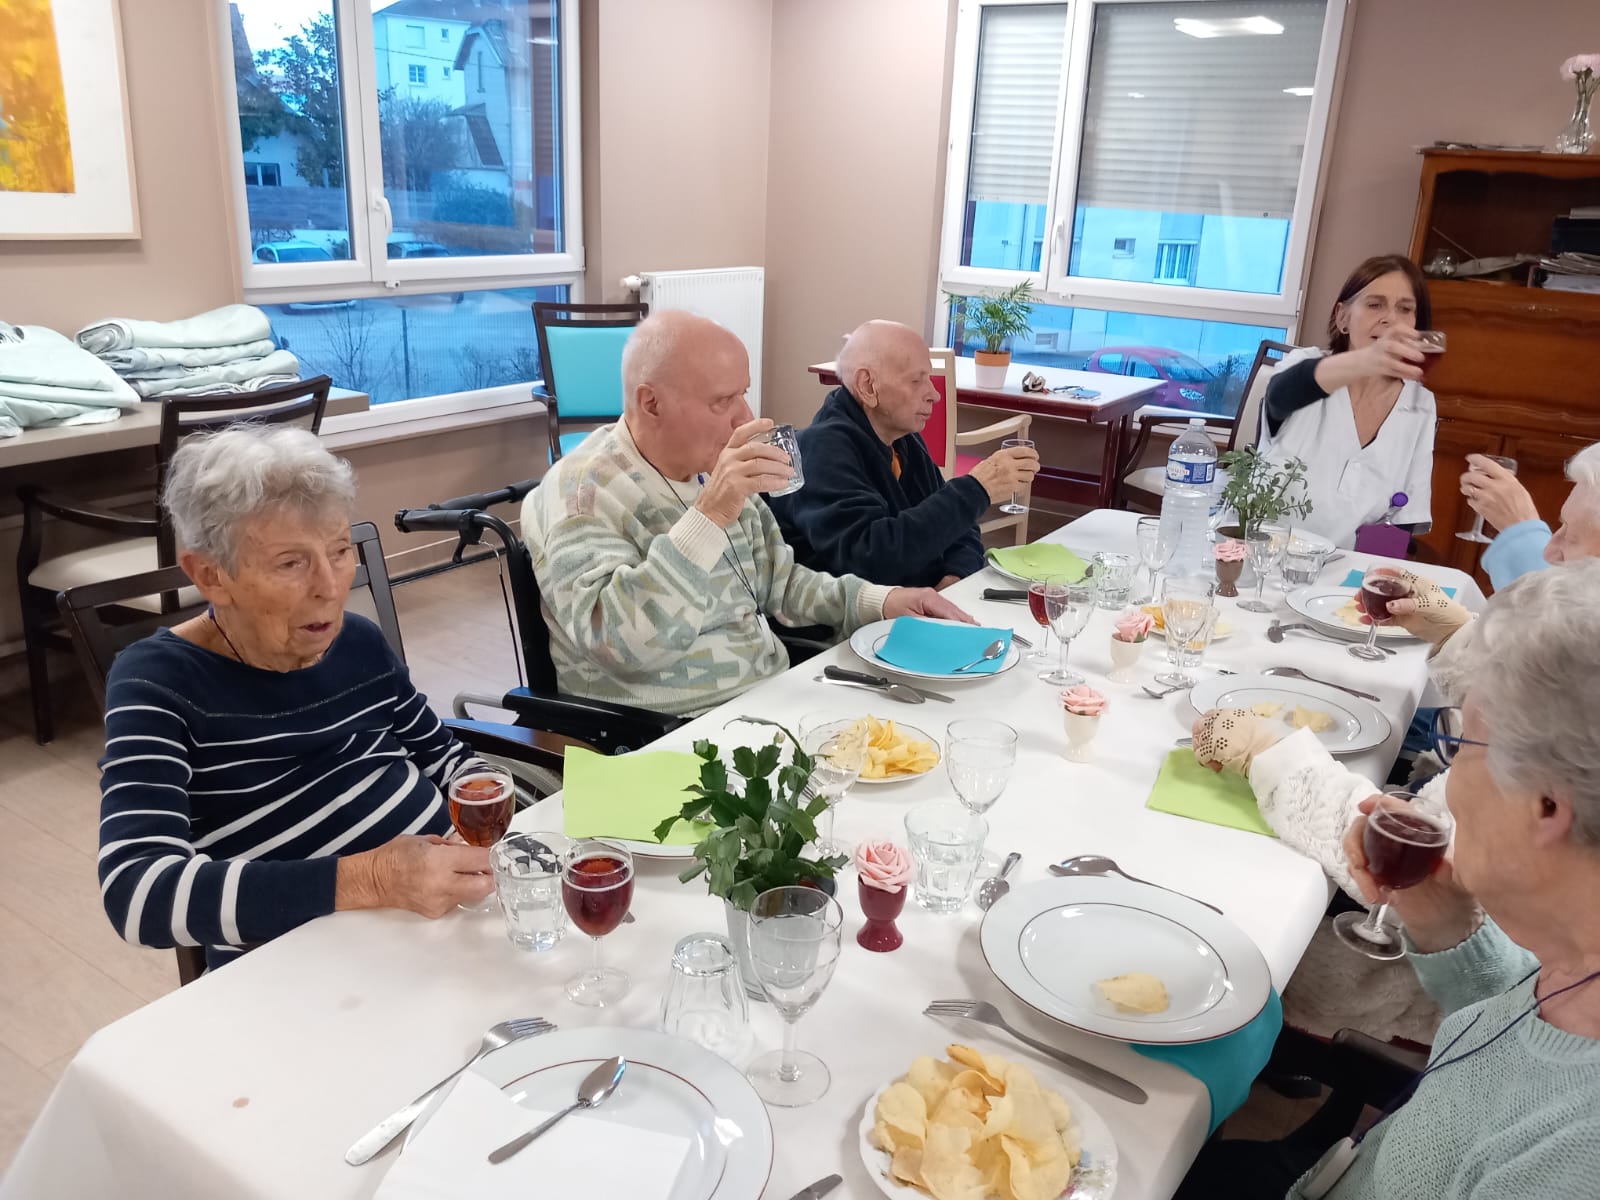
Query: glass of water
[
  {"x": 1303, "y": 559},
  {"x": 795, "y": 935},
  {"x": 1015, "y": 506},
  {"x": 527, "y": 878},
  {"x": 1113, "y": 579},
  {"x": 787, "y": 439},
  {"x": 946, "y": 845},
  {"x": 705, "y": 1001}
]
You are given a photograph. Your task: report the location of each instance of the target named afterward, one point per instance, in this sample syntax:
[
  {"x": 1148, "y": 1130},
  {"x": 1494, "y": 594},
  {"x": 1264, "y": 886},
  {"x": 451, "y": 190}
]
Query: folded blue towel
[
  {"x": 1354, "y": 580},
  {"x": 939, "y": 647},
  {"x": 1228, "y": 1065}
]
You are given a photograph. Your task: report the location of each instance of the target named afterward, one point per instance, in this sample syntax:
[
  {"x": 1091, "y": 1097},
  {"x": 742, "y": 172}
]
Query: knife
[
  {"x": 894, "y": 691},
  {"x": 883, "y": 683},
  {"x": 818, "y": 1189},
  {"x": 1009, "y": 595}
]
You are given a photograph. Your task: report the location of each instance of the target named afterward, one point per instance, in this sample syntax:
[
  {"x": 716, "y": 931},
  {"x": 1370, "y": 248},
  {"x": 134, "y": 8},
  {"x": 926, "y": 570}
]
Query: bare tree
[{"x": 355, "y": 356}]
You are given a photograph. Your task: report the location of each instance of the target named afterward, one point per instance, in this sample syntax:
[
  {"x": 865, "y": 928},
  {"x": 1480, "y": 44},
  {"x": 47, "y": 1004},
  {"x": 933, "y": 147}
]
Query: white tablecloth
[{"x": 253, "y": 1081}]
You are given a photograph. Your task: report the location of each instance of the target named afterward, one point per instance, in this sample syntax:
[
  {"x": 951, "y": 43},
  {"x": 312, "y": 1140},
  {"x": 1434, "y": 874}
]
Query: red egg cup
[{"x": 880, "y": 908}]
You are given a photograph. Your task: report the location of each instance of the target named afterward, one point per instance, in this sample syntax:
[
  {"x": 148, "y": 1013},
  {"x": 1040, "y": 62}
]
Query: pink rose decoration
[
  {"x": 1084, "y": 701},
  {"x": 1134, "y": 626},
  {"x": 883, "y": 865},
  {"x": 1231, "y": 550},
  {"x": 1578, "y": 64}
]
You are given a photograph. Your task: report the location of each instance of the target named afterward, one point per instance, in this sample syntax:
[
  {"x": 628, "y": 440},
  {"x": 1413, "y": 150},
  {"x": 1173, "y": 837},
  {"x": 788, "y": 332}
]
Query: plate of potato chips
[
  {"x": 897, "y": 751},
  {"x": 977, "y": 1126}
]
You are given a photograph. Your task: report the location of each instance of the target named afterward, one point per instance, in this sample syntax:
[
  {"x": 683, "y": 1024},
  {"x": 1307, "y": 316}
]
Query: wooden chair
[
  {"x": 580, "y": 346},
  {"x": 144, "y": 543},
  {"x": 1230, "y": 433},
  {"x": 945, "y": 441}
]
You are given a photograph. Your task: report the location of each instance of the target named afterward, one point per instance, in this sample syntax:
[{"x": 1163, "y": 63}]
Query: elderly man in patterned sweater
[{"x": 660, "y": 566}]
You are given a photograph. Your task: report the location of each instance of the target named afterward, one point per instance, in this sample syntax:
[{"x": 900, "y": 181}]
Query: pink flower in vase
[
  {"x": 1134, "y": 626},
  {"x": 883, "y": 865},
  {"x": 882, "y": 872},
  {"x": 1083, "y": 701}
]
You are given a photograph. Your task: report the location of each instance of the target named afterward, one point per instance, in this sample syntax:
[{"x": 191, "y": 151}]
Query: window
[
  {"x": 415, "y": 36},
  {"x": 1123, "y": 247},
  {"x": 444, "y": 34},
  {"x": 416, "y": 217},
  {"x": 1175, "y": 262}
]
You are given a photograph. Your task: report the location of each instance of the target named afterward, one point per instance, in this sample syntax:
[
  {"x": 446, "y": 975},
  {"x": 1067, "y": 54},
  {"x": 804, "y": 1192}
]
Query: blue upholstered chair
[{"x": 580, "y": 346}]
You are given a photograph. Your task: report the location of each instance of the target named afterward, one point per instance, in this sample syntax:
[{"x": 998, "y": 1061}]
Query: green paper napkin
[
  {"x": 1042, "y": 560},
  {"x": 628, "y": 795},
  {"x": 1186, "y": 789}
]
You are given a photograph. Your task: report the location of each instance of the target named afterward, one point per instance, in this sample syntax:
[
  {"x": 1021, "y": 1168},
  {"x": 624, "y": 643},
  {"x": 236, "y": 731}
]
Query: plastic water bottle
[{"x": 1186, "y": 501}]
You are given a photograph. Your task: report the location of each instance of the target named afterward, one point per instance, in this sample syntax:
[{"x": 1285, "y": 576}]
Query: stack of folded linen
[
  {"x": 47, "y": 380},
  {"x": 228, "y": 349}
]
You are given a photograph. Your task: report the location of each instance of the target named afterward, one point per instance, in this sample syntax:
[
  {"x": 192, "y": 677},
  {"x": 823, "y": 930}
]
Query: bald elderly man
[
  {"x": 661, "y": 571},
  {"x": 874, "y": 503}
]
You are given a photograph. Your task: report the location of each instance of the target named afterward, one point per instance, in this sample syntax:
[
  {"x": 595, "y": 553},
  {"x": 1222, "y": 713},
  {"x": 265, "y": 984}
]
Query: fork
[
  {"x": 985, "y": 1013},
  {"x": 377, "y": 1139}
]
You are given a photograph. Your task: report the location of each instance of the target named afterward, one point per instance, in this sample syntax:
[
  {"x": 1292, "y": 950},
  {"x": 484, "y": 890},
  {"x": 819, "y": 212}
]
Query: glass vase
[{"x": 1577, "y": 137}]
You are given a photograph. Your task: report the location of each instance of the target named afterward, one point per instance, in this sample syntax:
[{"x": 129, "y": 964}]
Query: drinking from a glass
[
  {"x": 1069, "y": 606},
  {"x": 1404, "y": 840},
  {"x": 795, "y": 934},
  {"x": 787, "y": 439},
  {"x": 1476, "y": 533},
  {"x": 481, "y": 799},
  {"x": 1379, "y": 586},
  {"x": 1432, "y": 343},
  {"x": 1014, "y": 506},
  {"x": 597, "y": 889},
  {"x": 1186, "y": 607}
]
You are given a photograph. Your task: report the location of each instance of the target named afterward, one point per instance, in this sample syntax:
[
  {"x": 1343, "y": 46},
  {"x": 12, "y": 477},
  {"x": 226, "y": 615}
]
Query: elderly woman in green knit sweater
[{"x": 1505, "y": 935}]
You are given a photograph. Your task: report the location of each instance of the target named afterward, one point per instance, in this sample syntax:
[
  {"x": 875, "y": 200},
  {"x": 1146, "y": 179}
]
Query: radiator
[{"x": 732, "y": 296}]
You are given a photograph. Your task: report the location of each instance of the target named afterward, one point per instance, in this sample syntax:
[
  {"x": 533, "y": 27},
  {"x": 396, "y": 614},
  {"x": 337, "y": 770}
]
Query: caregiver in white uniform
[{"x": 1357, "y": 414}]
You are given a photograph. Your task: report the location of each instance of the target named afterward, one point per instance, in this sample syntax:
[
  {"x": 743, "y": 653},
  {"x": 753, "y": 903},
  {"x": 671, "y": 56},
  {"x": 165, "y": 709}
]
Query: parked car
[
  {"x": 403, "y": 247},
  {"x": 1186, "y": 379},
  {"x": 292, "y": 252}
]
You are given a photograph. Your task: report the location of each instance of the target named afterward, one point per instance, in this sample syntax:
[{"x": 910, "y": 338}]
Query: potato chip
[
  {"x": 891, "y": 753},
  {"x": 900, "y": 1119},
  {"x": 947, "y": 1168},
  {"x": 931, "y": 1077}
]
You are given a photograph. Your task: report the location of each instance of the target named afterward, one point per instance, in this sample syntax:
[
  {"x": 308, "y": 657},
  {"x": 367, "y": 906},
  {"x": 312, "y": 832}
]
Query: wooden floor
[{"x": 63, "y": 971}]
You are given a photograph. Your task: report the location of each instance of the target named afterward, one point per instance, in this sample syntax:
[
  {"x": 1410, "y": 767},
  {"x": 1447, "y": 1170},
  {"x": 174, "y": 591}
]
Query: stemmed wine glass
[
  {"x": 794, "y": 937},
  {"x": 1186, "y": 606},
  {"x": 978, "y": 757},
  {"x": 1261, "y": 549},
  {"x": 1476, "y": 533},
  {"x": 838, "y": 751},
  {"x": 1405, "y": 837},
  {"x": 1069, "y": 607},
  {"x": 1156, "y": 548},
  {"x": 1378, "y": 586},
  {"x": 597, "y": 889},
  {"x": 482, "y": 799},
  {"x": 1014, "y": 506},
  {"x": 1041, "y": 617}
]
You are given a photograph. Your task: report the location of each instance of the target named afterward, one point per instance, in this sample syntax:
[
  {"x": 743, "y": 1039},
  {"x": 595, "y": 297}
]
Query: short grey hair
[
  {"x": 1536, "y": 679},
  {"x": 218, "y": 481},
  {"x": 1583, "y": 468}
]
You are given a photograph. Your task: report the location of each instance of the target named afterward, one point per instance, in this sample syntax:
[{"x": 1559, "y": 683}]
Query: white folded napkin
[{"x": 585, "y": 1155}]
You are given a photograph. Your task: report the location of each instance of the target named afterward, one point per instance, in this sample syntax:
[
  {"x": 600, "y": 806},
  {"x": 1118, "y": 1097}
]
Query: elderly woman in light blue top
[{"x": 1525, "y": 542}]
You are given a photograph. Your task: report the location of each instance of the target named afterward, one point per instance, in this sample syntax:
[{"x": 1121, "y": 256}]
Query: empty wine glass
[
  {"x": 1185, "y": 608},
  {"x": 1378, "y": 587},
  {"x": 1014, "y": 506},
  {"x": 1069, "y": 607},
  {"x": 1156, "y": 548},
  {"x": 838, "y": 750},
  {"x": 978, "y": 757},
  {"x": 1476, "y": 533},
  {"x": 794, "y": 937},
  {"x": 1261, "y": 549},
  {"x": 1405, "y": 837}
]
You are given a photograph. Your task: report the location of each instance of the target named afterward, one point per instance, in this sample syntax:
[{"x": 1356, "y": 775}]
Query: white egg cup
[
  {"x": 1080, "y": 735},
  {"x": 1124, "y": 658}
]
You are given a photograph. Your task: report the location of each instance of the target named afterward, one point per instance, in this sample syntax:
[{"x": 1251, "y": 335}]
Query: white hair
[
  {"x": 653, "y": 344},
  {"x": 1536, "y": 679},
  {"x": 218, "y": 481},
  {"x": 1583, "y": 468}
]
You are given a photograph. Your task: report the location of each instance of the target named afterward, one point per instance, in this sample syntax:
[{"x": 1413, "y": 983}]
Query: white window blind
[
  {"x": 1020, "y": 53},
  {"x": 1177, "y": 123}
]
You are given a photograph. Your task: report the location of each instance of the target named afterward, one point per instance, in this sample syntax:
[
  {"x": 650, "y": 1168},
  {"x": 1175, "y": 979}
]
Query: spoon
[
  {"x": 990, "y": 652},
  {"x": 1096, "y": 864},
  {"x": 992, "y": 889},
  {"x": 592, "y": 1093},
  {"x": 1161, "y": 695},
  {"x": 1297, "y": 673}
]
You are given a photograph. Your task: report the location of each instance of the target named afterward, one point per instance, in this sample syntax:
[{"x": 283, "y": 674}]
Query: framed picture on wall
[{"x": 66, "y": 149}]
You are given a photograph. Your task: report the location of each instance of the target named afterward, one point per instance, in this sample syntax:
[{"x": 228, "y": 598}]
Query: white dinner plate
[
  {"x": 916, "y": 735},
  {"x": 1321, "y": 605},
  {"x": 1094, "y": 1178},
  {"x": 866, "y": 641},
  {"x": 1049, "y": 942},
  {"x": 1358, "y": 725},
  {"x": 672, "y": 1086}
]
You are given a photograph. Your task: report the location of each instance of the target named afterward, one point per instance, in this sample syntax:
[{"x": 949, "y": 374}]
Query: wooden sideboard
[{"x": 1520, "y": 377}]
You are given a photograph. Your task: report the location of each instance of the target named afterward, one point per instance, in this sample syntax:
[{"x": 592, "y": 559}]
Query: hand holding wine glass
[
  {"x": 1492, "y": 490},
  {"x": 1403, "y": 839},
  {"x": 1379, "y": 586},
  {"x": 1438, "y": 912},
  {"x": 482, "y": 799}
]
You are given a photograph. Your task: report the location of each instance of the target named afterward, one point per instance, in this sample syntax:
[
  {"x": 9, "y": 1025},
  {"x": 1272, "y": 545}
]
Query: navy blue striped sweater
[{"x": 228, "y": 792}]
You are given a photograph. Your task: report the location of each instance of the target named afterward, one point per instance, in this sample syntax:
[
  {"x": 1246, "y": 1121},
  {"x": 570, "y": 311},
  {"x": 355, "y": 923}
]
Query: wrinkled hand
[
  {"x": 1438, "y": 913},
  {"x": 1007, "y": 471},
  {"x": 1427, "y": 613},
  {"x": 922, "y": 602},
  {"x": 1231, "y": 738},
  {"x": 1495, "y": 494},
  {"x": 744, "y": 468},
  {"x": 1396, "y": 355},
  {"x": 425, "y": 875}
]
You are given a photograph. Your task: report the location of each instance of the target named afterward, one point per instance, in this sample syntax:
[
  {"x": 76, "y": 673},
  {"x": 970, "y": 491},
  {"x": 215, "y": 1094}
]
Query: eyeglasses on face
[{"x": 1446, "y": 734}]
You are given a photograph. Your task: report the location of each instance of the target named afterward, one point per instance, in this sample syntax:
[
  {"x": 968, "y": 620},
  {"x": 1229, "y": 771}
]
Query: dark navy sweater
[{"x": 853, "y": 517}]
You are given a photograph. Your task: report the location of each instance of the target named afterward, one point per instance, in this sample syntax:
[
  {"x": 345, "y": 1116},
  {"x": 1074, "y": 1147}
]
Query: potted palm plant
[
  {"x": 996, "y": 318},
  {"x": 1260, "y": 490}
]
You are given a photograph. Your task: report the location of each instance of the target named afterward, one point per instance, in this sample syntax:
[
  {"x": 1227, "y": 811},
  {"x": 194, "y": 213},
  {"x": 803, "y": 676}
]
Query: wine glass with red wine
[
  {"x": 1405, "y": 838},
  {"x": 597, "y": 889},
  {"x": 1378, "y": 587},
  {"x": 1041, "y": 617},
  {"x": 482, "y": 799}
]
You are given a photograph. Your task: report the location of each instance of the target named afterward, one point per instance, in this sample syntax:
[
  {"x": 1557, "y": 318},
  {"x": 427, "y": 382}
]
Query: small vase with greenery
[
  {"x": 1260, "y": 489},
  {"x": 996, "y": 318}
]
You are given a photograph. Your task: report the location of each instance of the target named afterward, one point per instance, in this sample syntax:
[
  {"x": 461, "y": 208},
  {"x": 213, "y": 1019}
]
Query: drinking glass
[
  {"x": 1186, "y": 608},
  {"x": 946, "y": 843},
  {"x": 978, "y": 757},
  {"x": 1378, "y": 587},
  {"x": 1069, "y": 606},
  {"x": 1036, "y": 608},
  {"x": 1476, "y": 533},
  {"x": 838, "y": 750},
  {"x": 527, "y": 878},
  {"x": 1405, "y": 837},
  {"x": 1434, "y": 343},
  {"x": 1014, "y": 506},
  {"x": 1261, "y": 549},
  {"x": 1113, "y": 579},
  {"x": 1156, "y": 548},
  {"x": 787, "y": 439},
  {"x": 482, "y": 798},
  {"x": 794, "y": 945},
  {"x": 1303, "y": 559},
  {"x": 1280, "y": 532},
  {"x": 597, "y": 888},
  {"x": 705, "y": 1001},
  {"x": 1186, "y": 657}
]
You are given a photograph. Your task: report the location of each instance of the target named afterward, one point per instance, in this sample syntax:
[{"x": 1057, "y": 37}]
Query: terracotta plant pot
[{"x": 990, "y": 369}]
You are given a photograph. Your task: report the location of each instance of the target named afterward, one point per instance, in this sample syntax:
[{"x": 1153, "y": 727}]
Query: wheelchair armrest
[
  {"x": 104, "y": 519},
  {"x": 611, "y": 728},
  {"x": 506, "y": 741},
  {"x": 1376, "y": 1072}
]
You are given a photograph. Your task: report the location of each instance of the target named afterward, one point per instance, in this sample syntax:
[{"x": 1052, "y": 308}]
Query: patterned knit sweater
[{"x": 649, "y": 602}]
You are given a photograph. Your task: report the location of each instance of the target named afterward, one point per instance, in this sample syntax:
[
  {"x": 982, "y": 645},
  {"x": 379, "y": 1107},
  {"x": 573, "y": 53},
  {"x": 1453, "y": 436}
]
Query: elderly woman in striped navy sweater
[{"x": 269, "y": 761}]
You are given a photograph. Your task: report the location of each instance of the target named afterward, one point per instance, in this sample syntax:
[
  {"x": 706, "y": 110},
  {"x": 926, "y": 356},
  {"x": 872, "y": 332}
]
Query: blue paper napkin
[
  {"x": 939, "y": 647},
  {"x": 1355, "y": 577},
  {"x": 1228, "y": 1065}
]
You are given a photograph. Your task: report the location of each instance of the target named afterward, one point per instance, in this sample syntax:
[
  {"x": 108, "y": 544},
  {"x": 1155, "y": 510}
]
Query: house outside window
[
  {"x": 416, "y": 36},
  {"x": 1175, "y": 261},
  {"x": 419, "y": 73}
]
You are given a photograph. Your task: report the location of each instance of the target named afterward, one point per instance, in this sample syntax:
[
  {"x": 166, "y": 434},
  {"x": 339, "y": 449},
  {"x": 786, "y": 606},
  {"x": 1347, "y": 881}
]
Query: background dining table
[{"x": 253, "y": 1081}]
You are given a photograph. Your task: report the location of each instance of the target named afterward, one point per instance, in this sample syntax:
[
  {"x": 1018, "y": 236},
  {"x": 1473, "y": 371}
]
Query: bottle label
[{"x": 1197, "y": 474}]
